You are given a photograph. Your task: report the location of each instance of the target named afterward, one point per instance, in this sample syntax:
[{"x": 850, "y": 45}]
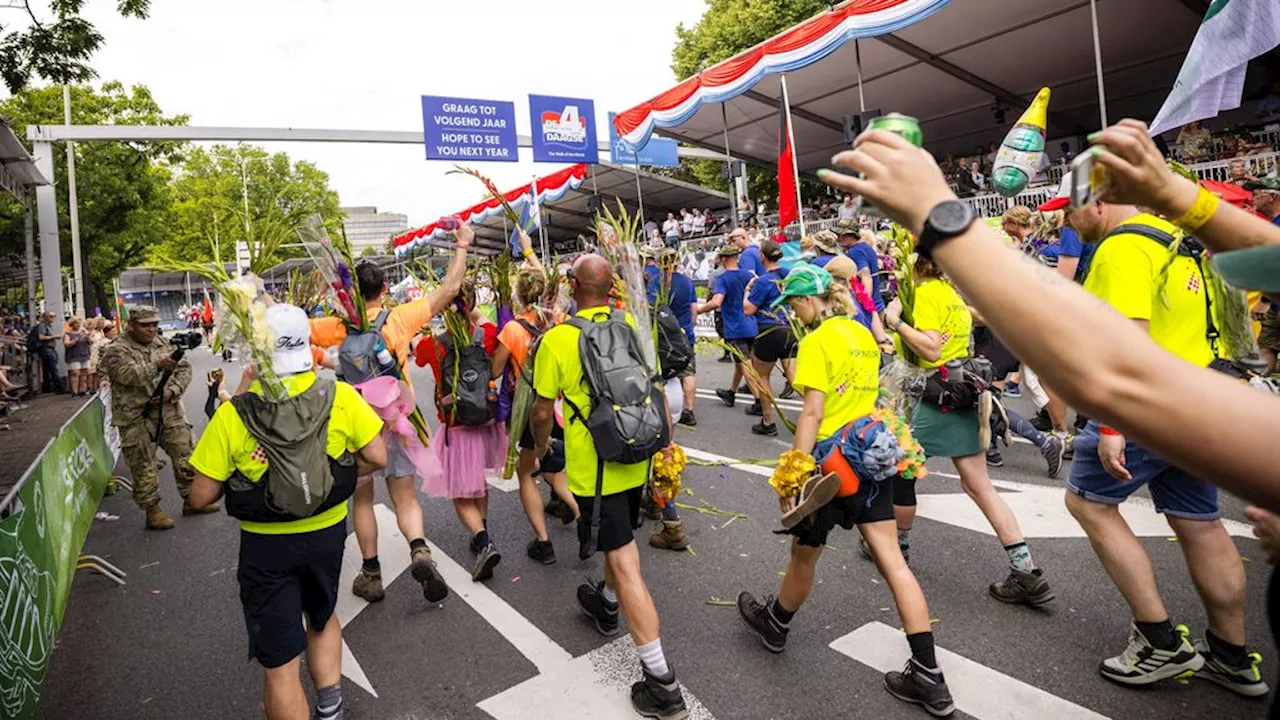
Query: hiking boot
[
  {"x": 754, "y": 410},
  {"x": 368, "y": 585},
  {"x": 1246, "y": 681},
  {"x": 157, "y": 520},
  {"x": 487, "y": 560},
  {"x": 1042, "y": 421},
  {"x": 688, "y": 419},
  {"x": 1069, "y": 443},
  {"x": 542, "y": 551},
  {"x": 994, "y": 458},
  {"x": 1023, "y": 588},
  {"x": 787, "y": 393},
  {"x": 671, "y": 537},
  {"x": 725, "y": 358},
  {"x": 658, "y": 698},
  {"x": 866, "y": 551},
  {"x": 604, "y": 613},
  {"x": 210, "y": 508},
  {"x": 424, "y": 571},
  {"x": 1053, "y": 454},
  {"x": 762, "y": 622},
  {"x": 1142, "y": 663},
  {"x": 920, "y": 686},
  {"x": 726, "y": 396},
  {"x": 761, "y": 428}
]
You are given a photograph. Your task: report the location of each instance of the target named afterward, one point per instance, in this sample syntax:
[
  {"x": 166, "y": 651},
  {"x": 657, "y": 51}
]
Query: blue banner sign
[
  {"x": 564, "y": 129},
  {"x": 658, "y": 152},
  {"x": 471, "y": 130}
]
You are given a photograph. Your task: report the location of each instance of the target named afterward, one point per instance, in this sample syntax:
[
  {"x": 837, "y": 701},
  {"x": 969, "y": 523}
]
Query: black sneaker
[
  {"x": 424, "y": 571},
  {"x": 754, "y": 410},
  {"x": 1246, "y": 681},
  {"x": 726, "y": 396},
  {"x": 725, "y": 358},
  {"x": 1023, "y": 588},
  {"x": 1142, "y": 663},
  {"x": 659, "y": 698},
  {"x": 757, "y": 617},
  {"x": 787, "y": 393},
  {"x": 994, "y": 458},
  {"x": 688, "y": 419},
  {"x": 919, "y": 686},
  {"x": 762, "y": 429},
  {"x": 542, "y": 551},
  {"x": 475, "y": 545},
  {"x": 1042, "y": 421},
  {"x": 488, "y": 559},
  {"x": 1053, "y": 454},
  {"x": 603, "y": 612}
]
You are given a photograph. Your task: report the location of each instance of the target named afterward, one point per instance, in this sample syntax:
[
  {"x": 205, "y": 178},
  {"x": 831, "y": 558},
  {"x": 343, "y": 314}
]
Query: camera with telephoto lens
[{"x": 185, "y": 341}]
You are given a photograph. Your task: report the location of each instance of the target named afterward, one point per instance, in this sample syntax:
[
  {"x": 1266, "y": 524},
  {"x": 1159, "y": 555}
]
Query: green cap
[
  {"x": 804, "y": 280},
  {"x": 1263, "y": 184},
  {"x": 1256, "y": 268}
]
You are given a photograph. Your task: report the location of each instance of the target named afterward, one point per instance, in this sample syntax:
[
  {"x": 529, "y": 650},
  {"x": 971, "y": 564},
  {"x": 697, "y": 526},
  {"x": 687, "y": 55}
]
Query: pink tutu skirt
[{"x": 462, "y": 457}]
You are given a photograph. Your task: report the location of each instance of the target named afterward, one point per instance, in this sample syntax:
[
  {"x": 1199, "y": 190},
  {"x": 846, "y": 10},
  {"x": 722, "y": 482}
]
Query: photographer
[{"x": 148, "y": 415}]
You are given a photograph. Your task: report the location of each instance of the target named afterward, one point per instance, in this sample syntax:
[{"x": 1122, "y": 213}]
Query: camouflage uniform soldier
[{"x": 134, "y": 362}]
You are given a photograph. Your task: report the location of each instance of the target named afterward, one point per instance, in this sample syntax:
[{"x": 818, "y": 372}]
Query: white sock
[
  {"x": 653, "y": 659},
  {"x": 609, "y": 594}
]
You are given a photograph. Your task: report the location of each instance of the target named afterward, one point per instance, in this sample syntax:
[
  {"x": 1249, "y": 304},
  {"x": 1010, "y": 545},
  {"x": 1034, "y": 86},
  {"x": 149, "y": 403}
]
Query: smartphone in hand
[{"x": 1088, "y": 180}]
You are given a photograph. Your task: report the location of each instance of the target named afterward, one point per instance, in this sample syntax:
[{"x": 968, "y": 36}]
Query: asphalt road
[{"x": 171, "y": 643}]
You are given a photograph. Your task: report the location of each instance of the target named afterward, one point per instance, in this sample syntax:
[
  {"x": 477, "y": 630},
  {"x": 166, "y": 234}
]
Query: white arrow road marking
[
  {"x": 1040, "y": 509},
  {"x": 596, "y": 686},
  {"x": 977, "y": 690},
  {"x": 393, "y": 553}
]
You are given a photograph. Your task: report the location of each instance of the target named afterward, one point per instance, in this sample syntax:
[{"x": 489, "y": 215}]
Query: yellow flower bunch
[
  {"x": 666, "y": 473},
  {"x": 793, "y": 470}
]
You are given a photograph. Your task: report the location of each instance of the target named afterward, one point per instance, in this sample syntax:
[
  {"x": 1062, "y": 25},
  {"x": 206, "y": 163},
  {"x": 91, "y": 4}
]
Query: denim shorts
[{"x": 1174, "y": 491}]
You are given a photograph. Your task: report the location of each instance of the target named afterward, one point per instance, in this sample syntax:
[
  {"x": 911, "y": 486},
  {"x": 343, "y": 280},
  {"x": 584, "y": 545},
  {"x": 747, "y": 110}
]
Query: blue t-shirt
[
  {"x": 865, "y": 257},
  {"x": 733, "y": 284},
  {"x": 822, "y": 260},
  {"x": 1070, "y": 245},
  {"x": 680, "y": 298},
  {"x": 1275, "y": 220},
  {"x": 750, "y": 260},
  {"x": 763, "y": 295}
]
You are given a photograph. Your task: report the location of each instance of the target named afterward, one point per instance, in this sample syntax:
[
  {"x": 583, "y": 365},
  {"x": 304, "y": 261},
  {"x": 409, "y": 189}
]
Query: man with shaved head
[{"x": 557, "y": 373}]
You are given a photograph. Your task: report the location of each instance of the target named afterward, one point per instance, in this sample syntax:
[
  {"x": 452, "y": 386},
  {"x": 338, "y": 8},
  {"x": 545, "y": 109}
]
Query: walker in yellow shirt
[
  {"x": 939, "y": 308},
  {"x": 841, "y": 359}
]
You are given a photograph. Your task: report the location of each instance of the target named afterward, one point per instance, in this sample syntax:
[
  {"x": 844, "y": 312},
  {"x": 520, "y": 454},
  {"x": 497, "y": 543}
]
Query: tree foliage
[
  {"x": 56, "y": 49},
  {"x": 209, "y": 204},
  {"x": 123, "y": 187},
  {"x": 727, "y": 28}
]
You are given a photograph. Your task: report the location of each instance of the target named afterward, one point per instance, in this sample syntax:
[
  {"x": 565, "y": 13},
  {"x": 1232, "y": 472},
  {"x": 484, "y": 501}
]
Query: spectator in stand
[
  {"x": 686, "y": 222},
  {"x": 847, "y": 211},
  {"x": 1195, "y": 142},
  {"x": 76, "y": 341},
  {"x": 1237, "y": 173},
  {"x": 825, "y": 212},
  {"x": 699, "y": 223},
  {"x": 1266, "y": 198},
  {"x": 971, "y": 181},
  {"x": 46, "y": 335},
  {"x": 671, "y": 230},
  {"x": 1066, "y": 154},
  {"x": 746, "y": 210},
  {"x": 713, "y": 222}
]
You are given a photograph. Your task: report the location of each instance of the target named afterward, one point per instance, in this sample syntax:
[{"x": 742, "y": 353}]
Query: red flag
[
  {"x": 788, "y": 203},
  {"x": 208, "y": 309}
]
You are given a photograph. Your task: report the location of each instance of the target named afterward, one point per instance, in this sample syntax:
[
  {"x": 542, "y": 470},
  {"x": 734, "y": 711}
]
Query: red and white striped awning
[{"x": 551, "y": 189}]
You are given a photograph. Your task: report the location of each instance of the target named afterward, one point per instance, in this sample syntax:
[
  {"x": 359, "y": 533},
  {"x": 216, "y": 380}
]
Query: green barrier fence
[{"x": 45, "y": 521}]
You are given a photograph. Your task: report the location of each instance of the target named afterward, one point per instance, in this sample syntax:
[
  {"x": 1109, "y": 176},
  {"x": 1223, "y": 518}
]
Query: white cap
[{"x": 292, "y": 333}]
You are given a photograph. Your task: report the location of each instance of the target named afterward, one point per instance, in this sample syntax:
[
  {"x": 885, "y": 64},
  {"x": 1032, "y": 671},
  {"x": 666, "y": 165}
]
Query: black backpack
[
  {"x": 674, "y": 351},
  {"x": 627, "y": 419},
  {"x": 33, "y": 338},
  {"x": 464, "y": 374}
]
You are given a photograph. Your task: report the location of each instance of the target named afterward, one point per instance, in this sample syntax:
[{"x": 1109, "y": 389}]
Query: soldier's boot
[
  {"x": 671, "y": 537},
  {"x": 157, "y": 520},
  {"x": 210, "y": 508}
]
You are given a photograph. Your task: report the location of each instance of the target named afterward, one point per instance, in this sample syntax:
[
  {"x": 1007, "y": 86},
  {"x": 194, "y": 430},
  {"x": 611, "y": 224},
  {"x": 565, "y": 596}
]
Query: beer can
[{"x": 901, "y": 125}]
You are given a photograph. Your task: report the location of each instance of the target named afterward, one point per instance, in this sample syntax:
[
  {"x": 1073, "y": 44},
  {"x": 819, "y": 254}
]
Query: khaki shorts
[{"x": 691, "y": 370}]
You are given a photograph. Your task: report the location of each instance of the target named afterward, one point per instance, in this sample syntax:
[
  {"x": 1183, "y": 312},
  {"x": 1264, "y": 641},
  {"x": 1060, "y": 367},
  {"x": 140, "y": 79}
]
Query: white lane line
[
  {"x": 393, "y": 553},
  {"x": 730, "y": 462},
  {"x": 746, "y": 398},
  {"x": 978, "y": 690},
  {"x": 535, "y": 645}
]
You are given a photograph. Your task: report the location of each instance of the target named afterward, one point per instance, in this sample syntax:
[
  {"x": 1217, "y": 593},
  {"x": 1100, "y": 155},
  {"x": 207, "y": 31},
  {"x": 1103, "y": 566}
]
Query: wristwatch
[{"x": 946, "y": 220}]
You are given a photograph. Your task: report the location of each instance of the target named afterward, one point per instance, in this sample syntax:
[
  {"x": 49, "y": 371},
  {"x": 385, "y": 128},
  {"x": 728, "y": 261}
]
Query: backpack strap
[
  {"x": 381, "y": 319},
  {"x": 593, "y": 541},
  {"x": 1189, "y": 248},
  {"x": 529, "y": 327}
]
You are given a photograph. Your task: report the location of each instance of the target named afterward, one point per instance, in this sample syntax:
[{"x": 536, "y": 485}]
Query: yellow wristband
[{"x": 1198, "y": 214}]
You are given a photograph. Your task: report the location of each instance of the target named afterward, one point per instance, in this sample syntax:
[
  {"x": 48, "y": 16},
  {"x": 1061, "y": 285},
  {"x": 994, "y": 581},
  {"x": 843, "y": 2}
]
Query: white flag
[{"x": 1212, "y": 77}]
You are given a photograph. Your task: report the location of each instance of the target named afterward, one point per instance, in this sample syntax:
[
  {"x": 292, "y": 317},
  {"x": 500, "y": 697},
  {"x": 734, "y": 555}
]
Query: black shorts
[
  {"x": 872, "y": 503},
  {"x": 282, "y": 578},
  {"x": 553, "y": 461},
  {"x": 774, "y": 343},
  {"x": 987, "y": 345},
  {"x": 619, "y": 516},
  {"x": 742, "y": 345}
]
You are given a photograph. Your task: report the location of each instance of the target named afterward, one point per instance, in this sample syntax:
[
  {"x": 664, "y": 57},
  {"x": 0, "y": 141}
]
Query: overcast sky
[{"x": 364, "y": 64}]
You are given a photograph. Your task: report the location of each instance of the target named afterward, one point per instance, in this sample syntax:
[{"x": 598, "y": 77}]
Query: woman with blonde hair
[{"x": 76, "y": 341}]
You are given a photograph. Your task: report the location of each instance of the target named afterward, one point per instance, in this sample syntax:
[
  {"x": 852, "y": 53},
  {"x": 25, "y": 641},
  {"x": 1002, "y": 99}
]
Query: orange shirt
[
  {"x": 402, "y": 324},
  {"x": 516, "y": 339}
]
